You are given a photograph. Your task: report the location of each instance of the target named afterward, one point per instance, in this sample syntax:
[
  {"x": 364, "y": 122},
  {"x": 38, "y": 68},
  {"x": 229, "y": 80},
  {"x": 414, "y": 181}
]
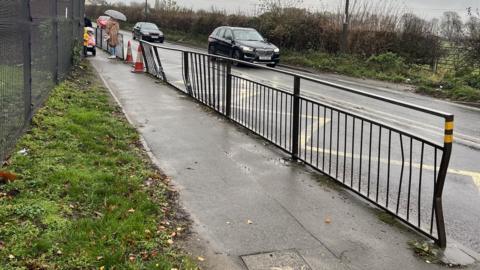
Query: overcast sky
[{"x": 424, "y": 8}]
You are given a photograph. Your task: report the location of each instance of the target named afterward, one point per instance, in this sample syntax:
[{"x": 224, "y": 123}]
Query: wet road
[{"x": 462, "y": 190}]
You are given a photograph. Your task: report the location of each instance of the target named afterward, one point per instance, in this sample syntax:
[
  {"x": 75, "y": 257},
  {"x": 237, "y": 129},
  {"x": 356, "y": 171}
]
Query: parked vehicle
[
  {"x": 102, "y": 21},
  {"x": 243, "y": 44},
  {"x": 147, "y": 31}
]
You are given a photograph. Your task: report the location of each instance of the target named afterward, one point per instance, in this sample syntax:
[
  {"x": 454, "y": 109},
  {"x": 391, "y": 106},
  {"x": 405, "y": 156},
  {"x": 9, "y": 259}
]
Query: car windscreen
[
  {"x": 247, "y": 34},
  {"x": 149, "y": 26}
]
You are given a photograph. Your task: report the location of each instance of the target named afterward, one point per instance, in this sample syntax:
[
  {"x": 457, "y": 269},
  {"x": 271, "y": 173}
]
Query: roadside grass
[
  {"x": 458, "y": 85},
  {"x": 86, "y": 196}
]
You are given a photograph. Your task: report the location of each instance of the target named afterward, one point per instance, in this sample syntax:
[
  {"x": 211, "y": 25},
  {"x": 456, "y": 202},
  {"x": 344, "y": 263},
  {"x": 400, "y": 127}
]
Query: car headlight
[
  {"x": 277, "y": 50},
  {"x": 246, "y": 49}
]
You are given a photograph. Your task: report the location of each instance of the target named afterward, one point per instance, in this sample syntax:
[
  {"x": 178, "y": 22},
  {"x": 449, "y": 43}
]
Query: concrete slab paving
[{"x": 243, "y": 194}]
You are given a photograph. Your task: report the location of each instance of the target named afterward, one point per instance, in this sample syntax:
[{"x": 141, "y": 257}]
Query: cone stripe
[
  {"x": 129, "y": 59},
  {"x": 138, "y": 67}
]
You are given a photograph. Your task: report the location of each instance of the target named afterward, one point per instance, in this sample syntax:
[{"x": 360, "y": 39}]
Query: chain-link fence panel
[
  {"x": 44, "y": 49},
  {"x": 13, "y": 105},
  {"x": 37, "y": 41}
]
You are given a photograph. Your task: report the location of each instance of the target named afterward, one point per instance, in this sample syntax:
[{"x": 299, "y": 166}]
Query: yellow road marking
[
  {"x": 474, "y": 175},
  {"x": 306, "y": 137}
]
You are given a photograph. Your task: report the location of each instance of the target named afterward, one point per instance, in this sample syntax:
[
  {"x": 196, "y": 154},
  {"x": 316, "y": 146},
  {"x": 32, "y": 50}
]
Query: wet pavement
[
  {"x": 244, "y": 196},
  {"x": 462, "y": 189}
]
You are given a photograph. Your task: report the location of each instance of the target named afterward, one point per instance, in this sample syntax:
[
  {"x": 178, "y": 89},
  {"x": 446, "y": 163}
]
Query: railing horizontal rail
[
  {"x": 319, "y": 81},
  {"x": 399, "y": 171}
]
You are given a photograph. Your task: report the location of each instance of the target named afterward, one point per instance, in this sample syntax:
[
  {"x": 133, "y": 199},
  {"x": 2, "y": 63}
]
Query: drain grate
[{"x": 277, "y": 260}]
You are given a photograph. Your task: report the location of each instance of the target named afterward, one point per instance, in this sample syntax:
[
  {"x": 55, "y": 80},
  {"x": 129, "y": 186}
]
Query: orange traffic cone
[
  {"x": 138, "y": 66},
  {"x": 129, "y": 59}
]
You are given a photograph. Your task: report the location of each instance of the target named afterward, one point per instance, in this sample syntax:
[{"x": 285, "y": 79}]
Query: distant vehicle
[
  {"x": 243, "y": 44},
  {"x": 102, "y": 21},
  {"x": 147, "y": 31}
]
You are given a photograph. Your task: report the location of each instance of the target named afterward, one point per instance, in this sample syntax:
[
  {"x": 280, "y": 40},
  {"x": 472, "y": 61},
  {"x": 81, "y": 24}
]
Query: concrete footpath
[{"x": 246, "y": 198}]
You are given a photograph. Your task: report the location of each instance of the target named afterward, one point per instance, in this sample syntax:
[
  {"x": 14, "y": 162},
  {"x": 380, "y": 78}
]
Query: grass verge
[
  {"x": 458, "y": 85},
  {"x": 86, "y": 196}
]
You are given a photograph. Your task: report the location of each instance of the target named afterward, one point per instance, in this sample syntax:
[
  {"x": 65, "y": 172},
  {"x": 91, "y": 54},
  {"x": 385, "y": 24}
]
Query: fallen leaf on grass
[
  {"x": 102, "y": 267},
  {"x": 6, "y": 177},
  {"x": 200, "y": 258},
  {"x": 170, "y": 241},
  {"x": 131, "y": 210},
  {"x": 173, "y": 234},
  {"x": 11, "y": 257},
  {"x": 99, "y": 258},
  {"x": 131, "y": 257}
]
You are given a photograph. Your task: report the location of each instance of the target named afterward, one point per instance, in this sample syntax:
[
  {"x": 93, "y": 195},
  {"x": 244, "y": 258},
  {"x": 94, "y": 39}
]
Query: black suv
[
  {"x": 147, "y": 31},
  {"x": 244, "y": 44}
]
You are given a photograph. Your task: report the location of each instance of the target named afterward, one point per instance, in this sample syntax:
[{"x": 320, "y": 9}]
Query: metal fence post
[
  {"x": 186, "y": 72},
  {"x": 228, "y": 94},
  {"x": 27, "y": 60},
  {"x": 442, "y": 174},
  {"x": 296, "y": 116},
  {"x": 55, "y": 38}
]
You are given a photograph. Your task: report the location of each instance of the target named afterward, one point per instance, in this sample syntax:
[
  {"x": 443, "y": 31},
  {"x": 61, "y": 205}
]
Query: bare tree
[
  {"x": 451, "y": 26},
  {"x": 271, "y": 5}
]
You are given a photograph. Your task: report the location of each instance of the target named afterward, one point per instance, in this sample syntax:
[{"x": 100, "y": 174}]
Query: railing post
[
  {"x": 27, "y": 60},
  {"x": 228, "y": 109},
  {"x": 442, "y": 174},
  {"x": 296, "y": 116},
  {"x": 186, "y": 72}
]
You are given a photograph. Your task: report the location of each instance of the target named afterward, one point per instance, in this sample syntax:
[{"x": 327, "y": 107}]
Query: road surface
[{"x": 462, "y": 190}]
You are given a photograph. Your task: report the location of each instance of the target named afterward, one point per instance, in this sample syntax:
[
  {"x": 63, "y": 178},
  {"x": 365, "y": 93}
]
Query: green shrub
[{"x": 387, "y": 62}]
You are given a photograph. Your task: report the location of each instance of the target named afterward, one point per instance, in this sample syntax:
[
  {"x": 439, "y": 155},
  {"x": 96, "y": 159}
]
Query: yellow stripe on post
[
  {"x": 449, "y": 125},
  {"x": 448, "y": 138}
]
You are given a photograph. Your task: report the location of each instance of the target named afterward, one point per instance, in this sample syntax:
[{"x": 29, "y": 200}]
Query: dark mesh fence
[{"x": 37, "y": 38}]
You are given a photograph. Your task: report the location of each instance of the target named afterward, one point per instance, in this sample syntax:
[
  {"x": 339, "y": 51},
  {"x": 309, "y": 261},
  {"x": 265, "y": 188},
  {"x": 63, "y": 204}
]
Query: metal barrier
[
  {"x": 398, "y": 171},
  {"x": 102, "y": 43},
  {"x": 37, "y": 39}
]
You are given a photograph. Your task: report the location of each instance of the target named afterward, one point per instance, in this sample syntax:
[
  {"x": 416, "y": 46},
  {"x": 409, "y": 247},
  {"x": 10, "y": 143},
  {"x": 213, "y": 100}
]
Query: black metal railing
[{"x": 397, "y": 170}]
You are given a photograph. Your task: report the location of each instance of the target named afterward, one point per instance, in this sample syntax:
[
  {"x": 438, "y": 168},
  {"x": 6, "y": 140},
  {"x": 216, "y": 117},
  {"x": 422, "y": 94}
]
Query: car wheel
[
  {"x": 271, "y": 65},
  {"x": 134, "y": 38},
  {"x": 237, "y": 55},
  {"x": 94, "y": 52}
]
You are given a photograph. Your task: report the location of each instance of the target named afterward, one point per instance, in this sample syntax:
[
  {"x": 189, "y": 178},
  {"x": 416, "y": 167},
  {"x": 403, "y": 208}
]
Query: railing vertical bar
[
  {"x": 409, "y": 180},
  {"x": 345, "y": 150},
  {"x": 434, "y": 188},
  {"x": 324, "y": 136},
  {"x": 318, "y": 136},
  {"x": 311, "y": 135},
  {"x": 209, "y": 79},
  {"x": 353, "y": 151},
  {"x": 378, "y": 161},
  {"x": 361, "y": 158},
  {"x": 369, "y": 159},
  {"x": 331, "y": 142},
  {"x": 281, "y": 119},
  {"x": 401, "y": 174},
  {"x": 271, "y": 116},
  {"x": 420, "y": 186},
  {"x": 305, "y": 137},
  {"x": 389, "y": 161},
  {"x": 338, "y": 144}
]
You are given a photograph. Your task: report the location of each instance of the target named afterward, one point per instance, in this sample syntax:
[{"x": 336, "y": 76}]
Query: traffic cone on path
[
  {"x": 129, "y": 59},
  {"x": 138, "y": 66}
]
